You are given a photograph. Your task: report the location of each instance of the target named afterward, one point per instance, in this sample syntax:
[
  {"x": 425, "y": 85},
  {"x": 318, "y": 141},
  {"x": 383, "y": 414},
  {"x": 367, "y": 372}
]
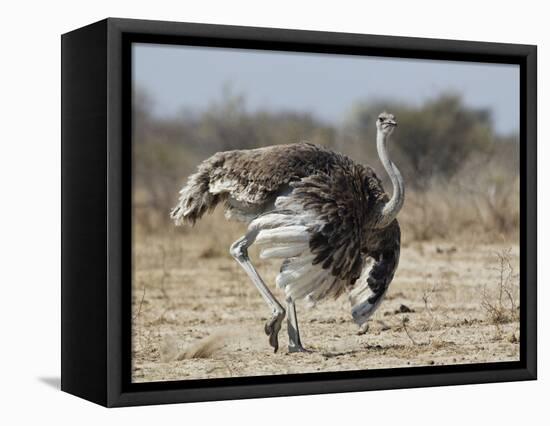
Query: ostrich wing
[
  {"x": 371, "y": 288},
  {"x": 340, "y": 204},
  {"x": 323, "y": 231}
]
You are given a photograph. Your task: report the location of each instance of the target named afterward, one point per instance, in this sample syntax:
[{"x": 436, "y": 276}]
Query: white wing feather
[{"x": 284, "y": 235}]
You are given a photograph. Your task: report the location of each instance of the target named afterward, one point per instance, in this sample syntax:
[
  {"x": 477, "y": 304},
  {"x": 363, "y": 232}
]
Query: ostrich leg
[
  {"x": 294, "y": 343},
  {"x": 239, "y": 250}
]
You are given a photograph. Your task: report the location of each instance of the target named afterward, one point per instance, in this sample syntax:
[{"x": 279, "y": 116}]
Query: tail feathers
[{"x": 195, "y": 198}]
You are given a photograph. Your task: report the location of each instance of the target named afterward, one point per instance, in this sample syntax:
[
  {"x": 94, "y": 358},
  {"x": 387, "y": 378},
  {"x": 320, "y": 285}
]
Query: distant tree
[
  {"x": 434, "y": 139},
  {"x": 227, "y": 124}
]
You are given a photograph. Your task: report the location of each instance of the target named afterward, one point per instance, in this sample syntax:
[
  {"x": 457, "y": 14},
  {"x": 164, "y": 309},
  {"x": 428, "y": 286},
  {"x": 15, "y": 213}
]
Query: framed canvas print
[{"x": 253, "y": 212}]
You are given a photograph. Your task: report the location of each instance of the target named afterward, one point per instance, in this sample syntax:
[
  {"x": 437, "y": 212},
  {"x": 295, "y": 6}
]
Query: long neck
[{"x": 392, "y": 207}]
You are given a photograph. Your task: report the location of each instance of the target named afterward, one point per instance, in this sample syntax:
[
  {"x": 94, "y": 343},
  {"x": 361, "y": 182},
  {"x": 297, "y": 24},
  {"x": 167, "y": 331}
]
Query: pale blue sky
[{"x": 180, "y": 77}]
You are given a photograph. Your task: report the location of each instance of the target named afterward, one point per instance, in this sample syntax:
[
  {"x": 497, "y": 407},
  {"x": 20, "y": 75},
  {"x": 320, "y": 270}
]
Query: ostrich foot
[
  {"x": 272, "y": 328},
  {"x": 298, "y": 348}
]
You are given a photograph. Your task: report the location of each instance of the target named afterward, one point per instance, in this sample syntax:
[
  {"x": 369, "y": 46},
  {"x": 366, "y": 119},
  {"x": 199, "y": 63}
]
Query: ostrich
[{"x": 326, "y": 217}]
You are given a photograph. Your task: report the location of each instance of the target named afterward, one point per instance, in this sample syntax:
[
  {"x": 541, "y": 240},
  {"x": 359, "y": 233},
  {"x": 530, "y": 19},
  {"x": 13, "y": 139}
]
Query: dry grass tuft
[
  {"x": 500, "y": 306},
  {"x": 204, "y": 348}
]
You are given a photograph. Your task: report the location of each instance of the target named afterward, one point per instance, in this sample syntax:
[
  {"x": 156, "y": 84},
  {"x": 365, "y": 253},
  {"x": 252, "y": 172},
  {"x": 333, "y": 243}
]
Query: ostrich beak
[{"x": 390, "y": 123}]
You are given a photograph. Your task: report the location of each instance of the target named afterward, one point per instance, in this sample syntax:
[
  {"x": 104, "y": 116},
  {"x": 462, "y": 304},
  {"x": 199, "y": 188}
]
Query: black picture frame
[{"x": 96, "y": 209}]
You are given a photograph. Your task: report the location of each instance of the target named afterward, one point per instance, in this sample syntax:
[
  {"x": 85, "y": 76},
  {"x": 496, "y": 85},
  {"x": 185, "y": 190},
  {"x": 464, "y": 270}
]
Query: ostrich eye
[{"x": 380, "y": 119}]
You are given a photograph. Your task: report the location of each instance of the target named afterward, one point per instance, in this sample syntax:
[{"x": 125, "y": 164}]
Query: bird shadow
[{"x": 53, "y": 382}]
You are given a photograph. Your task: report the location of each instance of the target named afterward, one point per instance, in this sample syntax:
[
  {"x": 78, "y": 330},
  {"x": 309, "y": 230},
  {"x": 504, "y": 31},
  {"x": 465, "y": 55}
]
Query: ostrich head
[{"x": 386, "y": 123}]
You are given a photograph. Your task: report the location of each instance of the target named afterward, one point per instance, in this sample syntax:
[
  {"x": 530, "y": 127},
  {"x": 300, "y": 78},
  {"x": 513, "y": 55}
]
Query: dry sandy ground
[{"x": 196, "y": 315}]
